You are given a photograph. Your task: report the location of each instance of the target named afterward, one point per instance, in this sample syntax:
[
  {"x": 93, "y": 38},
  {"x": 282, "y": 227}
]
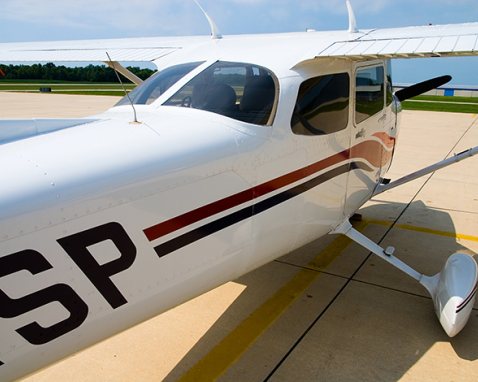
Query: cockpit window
[
  {"x": 244, "y": 92},
  {"x": 156, "y": 85}
]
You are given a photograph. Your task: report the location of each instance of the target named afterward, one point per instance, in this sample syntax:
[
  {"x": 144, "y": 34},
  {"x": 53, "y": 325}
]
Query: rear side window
[
  {"x": 322, "y": 105},
  {"x": 241, "y": 91},
  {"x": 369, "y": 96}
]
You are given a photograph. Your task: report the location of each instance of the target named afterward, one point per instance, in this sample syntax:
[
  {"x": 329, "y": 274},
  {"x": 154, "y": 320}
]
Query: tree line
[{"x": 51, "y": 72}]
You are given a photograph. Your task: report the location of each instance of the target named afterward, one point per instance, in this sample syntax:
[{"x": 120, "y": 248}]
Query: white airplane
[{"x": 239, "y": 150}]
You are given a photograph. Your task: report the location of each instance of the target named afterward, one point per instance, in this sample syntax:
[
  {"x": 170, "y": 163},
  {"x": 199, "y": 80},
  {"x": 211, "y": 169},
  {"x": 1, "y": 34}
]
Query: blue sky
[{"x": 34, "y": 20}]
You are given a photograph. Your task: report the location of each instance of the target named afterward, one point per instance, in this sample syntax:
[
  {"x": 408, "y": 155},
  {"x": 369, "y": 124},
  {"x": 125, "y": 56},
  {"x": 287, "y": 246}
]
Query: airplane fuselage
[{"x": 108, "y": 223}]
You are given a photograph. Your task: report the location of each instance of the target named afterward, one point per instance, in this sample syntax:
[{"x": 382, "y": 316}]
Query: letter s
[
  {"x": 77, "y": 248},
  {"x": 34, "y": 262}
]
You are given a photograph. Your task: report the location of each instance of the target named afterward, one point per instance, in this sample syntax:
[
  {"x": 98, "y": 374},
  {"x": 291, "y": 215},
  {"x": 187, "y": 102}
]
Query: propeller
[{"x": 421, "y": 87}]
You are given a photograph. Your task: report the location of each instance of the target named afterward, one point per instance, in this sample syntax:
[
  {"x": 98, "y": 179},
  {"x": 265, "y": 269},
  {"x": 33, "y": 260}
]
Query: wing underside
[
  {"x": 411, "y": 42},
  {"x": 134, "y": 50}
]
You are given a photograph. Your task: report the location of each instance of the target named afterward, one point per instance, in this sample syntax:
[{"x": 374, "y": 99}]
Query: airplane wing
[
  {"x": 411, "y": 42},
  {"x": 131, "y": 49},
  {"x": 423, "y": 41}
]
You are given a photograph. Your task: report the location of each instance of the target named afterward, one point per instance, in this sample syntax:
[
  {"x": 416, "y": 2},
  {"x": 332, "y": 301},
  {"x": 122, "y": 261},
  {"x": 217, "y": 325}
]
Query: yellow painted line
[
  {"x": 426, "y": 230},
  {"x": 231, "y": 347}
]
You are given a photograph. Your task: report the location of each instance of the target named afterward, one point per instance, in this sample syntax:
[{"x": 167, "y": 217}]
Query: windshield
[
  {"x": 157, "y": 84},
  {"x": 245, "y": 92}
]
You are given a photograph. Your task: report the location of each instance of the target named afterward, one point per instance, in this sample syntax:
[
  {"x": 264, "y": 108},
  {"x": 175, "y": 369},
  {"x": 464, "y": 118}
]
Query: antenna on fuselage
[
  {"x": 352, "y": 19},
  {"x": 112, "y": 65},
  {"x": 215, "y": 34}
]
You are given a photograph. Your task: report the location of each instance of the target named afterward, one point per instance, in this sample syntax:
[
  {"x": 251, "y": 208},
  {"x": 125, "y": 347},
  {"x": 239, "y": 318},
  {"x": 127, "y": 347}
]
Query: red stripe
[
  {"x": 368, "y": 150},
  {"x": 193, "y": 216},
  {"x": 373, "y": 152},
  {"x": 386, "y": 139}
]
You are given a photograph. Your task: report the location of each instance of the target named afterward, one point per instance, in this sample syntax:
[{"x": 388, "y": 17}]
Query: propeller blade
[{"x": 421, "y": 87}]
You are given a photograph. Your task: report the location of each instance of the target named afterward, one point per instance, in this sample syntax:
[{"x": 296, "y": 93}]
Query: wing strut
[
  {"x": 117, "y": 67},
  {"x": 427, "y": 170}
]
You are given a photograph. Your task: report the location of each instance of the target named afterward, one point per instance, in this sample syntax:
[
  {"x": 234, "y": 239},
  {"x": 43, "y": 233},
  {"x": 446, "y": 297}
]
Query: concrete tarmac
[{"x": 326, "y": 312}]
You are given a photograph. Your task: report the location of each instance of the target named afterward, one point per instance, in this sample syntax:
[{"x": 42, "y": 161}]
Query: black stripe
[
  {"x": 247, "y": 212},
  {"x": 201, "y": 232},
  {"x": 1, "y": 363},
  {"x": 467, "y": 302}
]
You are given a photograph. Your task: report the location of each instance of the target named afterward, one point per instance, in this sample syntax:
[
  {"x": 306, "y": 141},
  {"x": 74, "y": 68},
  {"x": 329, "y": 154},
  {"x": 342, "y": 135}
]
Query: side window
[
  {"x": 369, "y": 93},
  {"x": 244, "y": 92},
  {"x": 322, "y": 106}
]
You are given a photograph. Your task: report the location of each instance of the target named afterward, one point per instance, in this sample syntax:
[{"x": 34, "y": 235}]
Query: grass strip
[
  {"x": 446, "y": 99},
  {"x": 444, "y": 107}
]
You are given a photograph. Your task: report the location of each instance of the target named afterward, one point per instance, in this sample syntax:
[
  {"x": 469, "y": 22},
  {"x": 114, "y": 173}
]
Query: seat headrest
[
  {"x": 259, "y": 93},
  {"x": 219, "y": 98}
]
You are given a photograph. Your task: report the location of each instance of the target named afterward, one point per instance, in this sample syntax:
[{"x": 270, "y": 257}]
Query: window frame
[{"x": 389, "y": 83}]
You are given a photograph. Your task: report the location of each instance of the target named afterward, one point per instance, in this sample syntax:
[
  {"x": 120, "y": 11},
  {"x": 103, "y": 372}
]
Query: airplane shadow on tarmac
[{"x": 359, "y": 319}]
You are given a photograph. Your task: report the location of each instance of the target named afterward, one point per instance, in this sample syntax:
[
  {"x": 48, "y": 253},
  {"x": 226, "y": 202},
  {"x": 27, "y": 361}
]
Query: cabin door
[
  {"x": 322, "y": 128},
  {"x": 367, "y": 148}
]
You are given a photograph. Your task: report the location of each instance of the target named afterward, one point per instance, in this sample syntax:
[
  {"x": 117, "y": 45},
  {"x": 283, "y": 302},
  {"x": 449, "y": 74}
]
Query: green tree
[{"x": 51, "y": 72}]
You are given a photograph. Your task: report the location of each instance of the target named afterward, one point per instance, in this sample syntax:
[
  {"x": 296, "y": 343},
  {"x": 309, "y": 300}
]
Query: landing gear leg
[{"x": 453, "y": 290}]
